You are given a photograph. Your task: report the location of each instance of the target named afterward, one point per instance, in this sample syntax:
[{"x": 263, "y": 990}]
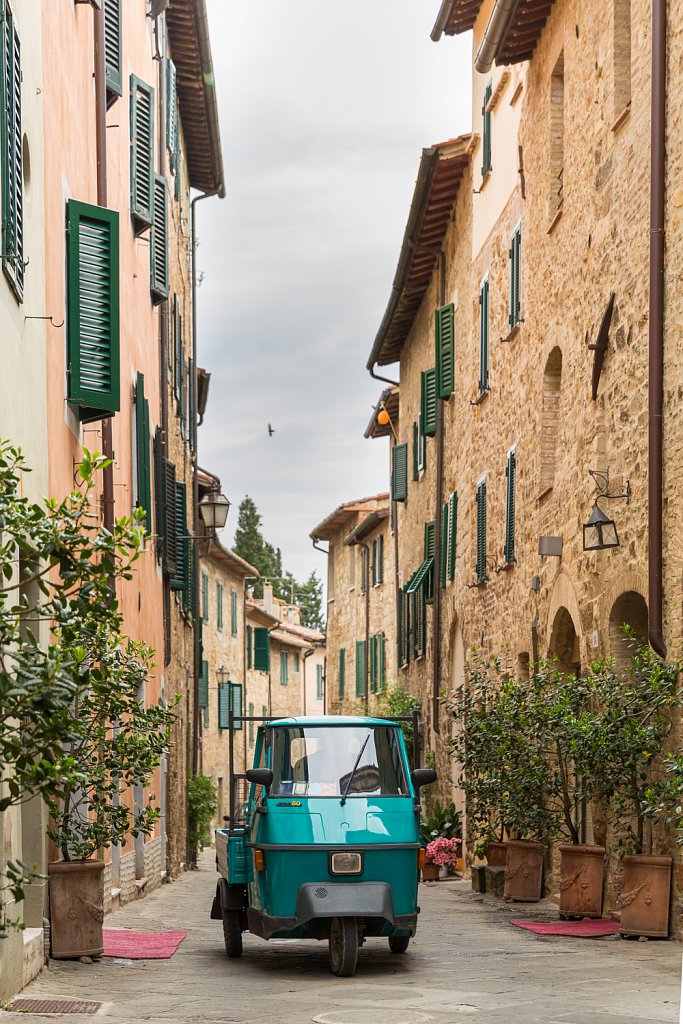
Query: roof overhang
[
  {"x": 367, "y": 526},
  {"x": 438, "y": 181},
  {"x": 518, "y": 43},
  {"x": 259, "y": 614},
  {"x": 230, "y": 561},
  {"x": 188, "y": 33},
  {"x": 344, "y": 513},
  {"x": 387, "y": 400}
]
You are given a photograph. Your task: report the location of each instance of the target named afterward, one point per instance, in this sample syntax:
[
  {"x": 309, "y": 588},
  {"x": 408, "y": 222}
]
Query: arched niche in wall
[
  {"x": 629, "y": 609},
  {"x": 550, "y": 418},
  {"x": 564, "y": 642}
]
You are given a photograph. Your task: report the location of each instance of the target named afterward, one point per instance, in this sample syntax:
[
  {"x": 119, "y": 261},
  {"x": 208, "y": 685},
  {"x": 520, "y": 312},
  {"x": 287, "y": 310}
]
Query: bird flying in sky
[{"x": 271, "y": 430}]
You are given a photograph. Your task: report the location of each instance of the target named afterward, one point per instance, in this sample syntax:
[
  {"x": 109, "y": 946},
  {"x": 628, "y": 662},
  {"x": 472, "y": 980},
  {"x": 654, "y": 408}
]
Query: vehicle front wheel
[
  {"x": 398, "y": 943},
  {"x": 343, "y": 946},
  {"x": 232, "y": 933}
]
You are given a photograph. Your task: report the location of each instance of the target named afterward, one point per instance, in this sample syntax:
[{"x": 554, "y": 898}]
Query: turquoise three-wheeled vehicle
[{"x": 325, "y": 844}]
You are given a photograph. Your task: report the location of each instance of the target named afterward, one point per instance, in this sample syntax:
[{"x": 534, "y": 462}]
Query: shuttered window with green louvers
[
  {"x": 164, "y": 492},
  {"x": 11, "y": 154},
  {"x": 341, "y": 681},
  {"x": 284, "y": 668},
  {"x": 429, "y": 552},
  {"x": 236, "y": 703},
  {"x": 249, "y": 642},
  {"x": 416, "y": 451},
  {"x": 445, "y": 350},
  {"x": 429, "y": 411},
  {"x": 112, "y": 49},
  {"x": 142, "y": 437},
  {"x": 418, "y": 613},
  {"x": 452, "y": 533},
  {"x": 93, "y": 310},
  {"x": 224, "y": 700},
  {"x": 233, "y": 612},
  {"x": 363, "y": 569},
  {"x": 319, "y": 682},
  {"x": 171, "y": 107},
  {"x": 141, "y": 153},
  {"x": 219, "y": 606},
  {"x": 261, "y": 649},
  {"x": 158, "y": 250},
  {"x": 486, "y": 166},
  {"x": 399, "y": 472},
  {"x": 361, "y": 663},
  {"x": 510, "y": 504},
  {"x": 443, "y": 545},
  {"x": 179, "y": 578},
  {"x": 382, "y": 662},
  {"x": 484, "y": 336},
  {"x": 404, "y": 628},
  {"x": 205, "y": 597},
  {"x": 190, "y": 590},
  {"x": 203, "y": 685},
  {"x": 373, "y": 664},
  {"x": 482, "y": 574},
  {"x": 516, "y": 277}
]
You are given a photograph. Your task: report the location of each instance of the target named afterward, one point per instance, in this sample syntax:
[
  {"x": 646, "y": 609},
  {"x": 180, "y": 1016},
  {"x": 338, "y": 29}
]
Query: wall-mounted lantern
[{"x": 600, "y": 532}]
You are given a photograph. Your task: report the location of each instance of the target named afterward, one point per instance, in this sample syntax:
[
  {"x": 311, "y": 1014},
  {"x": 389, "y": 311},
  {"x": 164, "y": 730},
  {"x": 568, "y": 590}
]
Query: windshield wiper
[{"x": 353, "y": 772}]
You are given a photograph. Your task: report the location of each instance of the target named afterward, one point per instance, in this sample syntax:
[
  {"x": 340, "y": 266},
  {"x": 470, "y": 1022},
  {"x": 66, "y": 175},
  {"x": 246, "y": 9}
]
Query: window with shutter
[
  {"x": 416, "y": 452},
  {"x": 233, "y": 612},
  {"x": 236, "y": 703},
  {"x": 144, "y": 481},
  {"x": 341, "y": 682},
  {"x": 515, "y": 316},
  {"x": 319, "y": 682},
  {"x": 164, "y": 478},
  {"x": 482, "y": 574},
  {"x": 484, "y": 336},
  {"x": 380, "y": 559},
  {"x": 429, "y": 552},
  {"x": 373, "y": 664},
  {"x": 404, "y": 628},
  {"x": 486, "y": 132},
  {"x": 11, "y": 154},
  {"x": 219, "y": 605},
  {"x": 249, "y": 642},
  {"x": 203, "y": 685},
  {"x": 261, "y": 649},
  {"x": 190, "y": 589},
  {"x": 205, "y": 597},
  {"x": 283, "y": 668},
  {"x": 430, "y": 408},
  {"x": 374, "y": 562},
  {"x": 399, "y": 472},
  {"x": 445, "y": 350},
  {"x": 93, "y": 310},
  {"x": 224, "y": 699},
  {"x": 511, "y": 496},
  {"x": 418, "y": 611},
  {"x": 443, "y": 545},
  {"x": 158, "y": 249},
  {"x": 179, "y": 579},
  {"x": 171, "y": 106},
  {"x": 363, "y": 569},
  {"x": 112, "y": 49},
  {"x": 141, "y": 154},
  {"x": 251, "y": 724},
  {"x": 361, "y": 667},
  {"x": 452, "y": 533},
  {"x": 381, "y": 661}
]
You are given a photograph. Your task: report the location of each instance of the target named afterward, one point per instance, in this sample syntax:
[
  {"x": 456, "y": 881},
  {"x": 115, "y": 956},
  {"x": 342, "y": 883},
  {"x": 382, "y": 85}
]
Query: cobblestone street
[{"x": 467, "y": 964}]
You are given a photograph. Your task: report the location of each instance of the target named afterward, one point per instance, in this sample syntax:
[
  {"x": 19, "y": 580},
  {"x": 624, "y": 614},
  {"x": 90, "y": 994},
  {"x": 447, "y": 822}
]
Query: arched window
[{"x": 550, "y": 418}]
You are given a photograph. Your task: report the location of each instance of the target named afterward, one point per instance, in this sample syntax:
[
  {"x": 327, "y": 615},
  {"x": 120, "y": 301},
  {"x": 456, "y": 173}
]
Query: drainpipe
[
  {"x": 101, "y": 152},
  {"x": 495, "y": 33},
  {"x": 656, "y": 326},
  {"x": 440, "y": 434},
  {"x": 377, "y": 376},
  {"x": 305, "y": 656},
  {"x": 366, "y": 687}
]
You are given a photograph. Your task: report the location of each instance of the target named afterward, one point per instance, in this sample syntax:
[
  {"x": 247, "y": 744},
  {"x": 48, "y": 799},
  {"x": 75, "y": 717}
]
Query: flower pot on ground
[
  {"x": 431, "y": 873},
  {"x": 441, "y": 853},
  {"x": 524, "y": 871},
  {"x": 582, "y": 870},
  {"x": 645, "y": 894},
  {"x": 496, "y": 855},
  {"x": 76, "y": 908}
]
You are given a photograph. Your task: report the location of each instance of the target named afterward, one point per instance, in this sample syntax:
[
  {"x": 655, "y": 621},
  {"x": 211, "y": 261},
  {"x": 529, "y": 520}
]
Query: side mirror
[
  {"x": 419, "y": 777},
  {"x": 260, "y": 777}
]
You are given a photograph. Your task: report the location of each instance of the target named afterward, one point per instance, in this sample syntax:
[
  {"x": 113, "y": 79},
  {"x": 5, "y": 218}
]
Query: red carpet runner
[
  {"x": 587, "y": 929},
  {"x": 131, "y": 945}
]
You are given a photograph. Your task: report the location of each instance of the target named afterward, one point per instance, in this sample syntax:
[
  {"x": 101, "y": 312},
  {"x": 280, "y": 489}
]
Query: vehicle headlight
[{"x": 346, "y": 863}]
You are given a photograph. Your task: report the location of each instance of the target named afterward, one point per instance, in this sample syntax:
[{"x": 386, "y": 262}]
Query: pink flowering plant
[{"x": 443, "y": 852}]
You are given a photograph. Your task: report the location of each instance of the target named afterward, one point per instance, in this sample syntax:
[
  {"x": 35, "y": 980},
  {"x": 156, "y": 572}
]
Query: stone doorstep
[
  {"x": 33, "y": 957},
  {"x": 140, "y": 885}
]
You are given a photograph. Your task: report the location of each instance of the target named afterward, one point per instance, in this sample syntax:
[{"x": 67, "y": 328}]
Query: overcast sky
[{"x": 325, "y": 107}]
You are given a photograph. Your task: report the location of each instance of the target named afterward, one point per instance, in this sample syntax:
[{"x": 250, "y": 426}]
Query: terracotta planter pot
[
  {"x": 645, "y": 895},
  {"x": 523, "y": 871},
  {"x": 76, "y": 908},
  {"x": 431, "y": 873},
  {"x": 581, "y": 875},
  {"x": 496, "y": 855}
]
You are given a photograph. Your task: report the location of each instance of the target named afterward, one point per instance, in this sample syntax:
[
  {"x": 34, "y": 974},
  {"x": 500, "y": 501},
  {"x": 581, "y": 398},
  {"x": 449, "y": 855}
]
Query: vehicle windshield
[{"x": 319, "y": 761}]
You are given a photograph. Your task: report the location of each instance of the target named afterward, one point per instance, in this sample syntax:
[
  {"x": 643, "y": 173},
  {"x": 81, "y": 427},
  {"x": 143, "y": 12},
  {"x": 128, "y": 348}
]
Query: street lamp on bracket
[{"x": 600, "y": 532}]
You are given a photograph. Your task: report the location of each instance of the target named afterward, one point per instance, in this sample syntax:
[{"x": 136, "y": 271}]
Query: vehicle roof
[{"x": 330, "y": 720}]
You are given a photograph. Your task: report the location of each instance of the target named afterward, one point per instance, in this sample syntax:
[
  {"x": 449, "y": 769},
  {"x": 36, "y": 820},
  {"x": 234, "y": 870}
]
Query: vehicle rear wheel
[
  {"x": 343, "y": 946},
  {"x": 398, "y": 943},
  {"x": 232, "y": 932}
]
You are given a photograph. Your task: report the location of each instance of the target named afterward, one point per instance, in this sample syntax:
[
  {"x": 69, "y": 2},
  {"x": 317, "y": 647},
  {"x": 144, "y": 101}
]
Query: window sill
[
  {"x": 480, "y": 397},
  {"x": 478, "y": 584},
  {"x": 556, "y": 220},
  {"x": 622, "y": 117},
  {"x": 506, "y": 566},
  {"x": 513, "y": 333}
]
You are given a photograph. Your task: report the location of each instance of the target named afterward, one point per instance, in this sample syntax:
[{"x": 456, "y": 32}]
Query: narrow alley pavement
[{"x": 466, "y": 964}]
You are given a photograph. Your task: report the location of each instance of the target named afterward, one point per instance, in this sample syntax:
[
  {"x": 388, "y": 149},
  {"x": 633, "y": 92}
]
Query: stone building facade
[
  {"x": 522, "y": 299},
  {"x": 361, "y": 611}
]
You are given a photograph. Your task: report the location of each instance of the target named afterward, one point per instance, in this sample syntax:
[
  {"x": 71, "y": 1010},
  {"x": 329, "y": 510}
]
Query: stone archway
[
  {"x": 629, "y": 609},
  {"x": 564, "y": 642}
]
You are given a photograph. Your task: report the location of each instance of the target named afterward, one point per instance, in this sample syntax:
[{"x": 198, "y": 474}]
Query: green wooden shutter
[
  {"x": 284, "y": 676},
  {"x": 233, "y": 612},
  {"x": 429, "y": 408},
  {"x": 482, "y": 574},
  {"x": 341, "y": 682},
  {"x": 373, "y": 664},
  {"x": 511, "y": 475},
  {"x": 430, "y": 540},
  {"x": 261, "y": 649},
  {"x": 177, "y": 347},
  {"x": 418, "y": 599},
  {"x": 141, "y": 153},
  {"x": 515, "y": 277},
  {"x": 171, "y": 106},
  {"x": 203, "y": 685},
  {"x": 236, "y": 703},
  {"x": 445, "y": 350},
  {"x": 224, "y": 699},
  {"x": 363, "y": 570},
  {"x": 190, "y": 589},
  {"x": 178, "y": 580},
  {"x": 168, "y": 518},
  {"x": 452, "y": 533},
  {"x": 158, "y": 249},
  {"x": 219, "y": 605},
  {"x": 380, "y": 559},
  {"x": 93, "y": 310},
  {"x": 144, "y": 497},
  {"x": 484, "y": 335},
  {"x": 416, "y": 452},
  {"x": 319, "y": 682},
  {"x": 11, "y": 155},
  {"x": 251, "y": 724},
  {"x": 486, "y": 132},
  {"x": 381, "y": 667},
  {"x": 374, "y": 562},
  {"x": 399, "y": 472},
  {"x": 404, "y": 628},
  {"x": 249, "y": 642},
  {"x": 112, "y": 49},
  {"x": 205, "y": 597},
  {"x": 443, "y": 545},
  {"x": 361, "y": 662}
]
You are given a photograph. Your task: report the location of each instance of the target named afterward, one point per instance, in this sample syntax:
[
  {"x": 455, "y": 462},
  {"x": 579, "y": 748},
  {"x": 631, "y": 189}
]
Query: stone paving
[{"x": 466, "y": 964}]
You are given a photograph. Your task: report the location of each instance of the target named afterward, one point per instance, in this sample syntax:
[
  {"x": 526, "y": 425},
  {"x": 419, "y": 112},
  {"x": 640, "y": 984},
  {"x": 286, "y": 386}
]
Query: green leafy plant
[
  {"x": 444, "y": 822},
  {"x": 397, "y": 702},
  {"x": 203, "y": 804}
]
